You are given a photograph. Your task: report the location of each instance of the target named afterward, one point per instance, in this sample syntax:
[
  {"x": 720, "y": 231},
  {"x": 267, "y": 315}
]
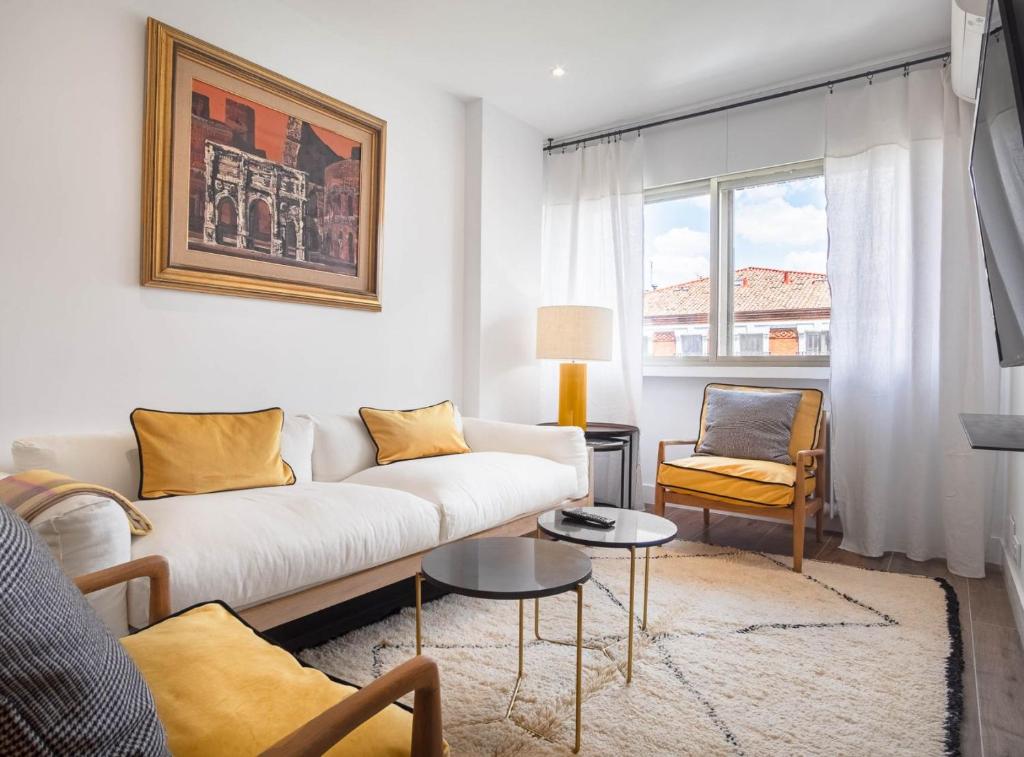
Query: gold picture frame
[{"x": 255, "y": 185}]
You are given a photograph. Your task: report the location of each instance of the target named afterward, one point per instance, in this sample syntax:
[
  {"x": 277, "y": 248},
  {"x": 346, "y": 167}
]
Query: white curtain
[
  {"x": 912, "y": 334},
  {"x": 592, "y": 254}
]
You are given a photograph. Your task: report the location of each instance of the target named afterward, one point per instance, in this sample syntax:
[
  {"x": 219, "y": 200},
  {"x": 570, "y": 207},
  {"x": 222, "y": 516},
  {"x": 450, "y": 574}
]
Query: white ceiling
[{"x": 626, "y": 59}]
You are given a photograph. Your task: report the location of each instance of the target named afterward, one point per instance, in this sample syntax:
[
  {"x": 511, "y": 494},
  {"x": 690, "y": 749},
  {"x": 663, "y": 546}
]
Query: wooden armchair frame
[
  {"x": 418, "y": 675},
  {"x": 805, "y": 503}
]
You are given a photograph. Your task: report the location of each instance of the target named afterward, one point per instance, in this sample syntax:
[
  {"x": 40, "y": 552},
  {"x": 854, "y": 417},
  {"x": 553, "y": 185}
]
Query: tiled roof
[{"x": 757, "y": 290}]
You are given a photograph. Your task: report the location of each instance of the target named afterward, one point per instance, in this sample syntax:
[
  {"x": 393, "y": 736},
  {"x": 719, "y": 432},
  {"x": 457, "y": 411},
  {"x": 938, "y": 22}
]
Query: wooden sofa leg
[{"x": 707, "y": 518}]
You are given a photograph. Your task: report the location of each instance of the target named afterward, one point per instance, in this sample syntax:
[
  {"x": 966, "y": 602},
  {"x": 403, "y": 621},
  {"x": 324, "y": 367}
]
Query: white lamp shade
[{"x": 574, "y": 332}]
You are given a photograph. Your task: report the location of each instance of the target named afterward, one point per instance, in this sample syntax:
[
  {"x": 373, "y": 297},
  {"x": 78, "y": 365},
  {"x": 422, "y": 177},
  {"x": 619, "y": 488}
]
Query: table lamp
[{"x": 573, "y": 332}]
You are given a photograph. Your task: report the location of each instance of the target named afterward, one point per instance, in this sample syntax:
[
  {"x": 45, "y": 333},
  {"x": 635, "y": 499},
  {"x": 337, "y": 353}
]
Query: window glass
[
  {"x": 780, "y": 303},
  {"x": 677, "y": 265}
]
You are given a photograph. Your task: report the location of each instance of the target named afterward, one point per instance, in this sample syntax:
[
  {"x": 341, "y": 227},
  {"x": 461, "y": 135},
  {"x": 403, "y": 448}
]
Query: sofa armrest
[
  {"x": 562, "y": 444},
  {"x": 328, "y": 728},
  {"x": 85, "y": 533},
  {"x": 153, "y": 567}
]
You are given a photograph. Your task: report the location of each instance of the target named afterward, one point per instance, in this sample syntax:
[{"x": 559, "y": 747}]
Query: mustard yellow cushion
[
  {"x": 806, "y": 421},
  {"x": 221, "y": 689},
  {"x": 196, "y": 453},
  {"x": 412, "y": 434},
  {"x": 729, "y": 479}
]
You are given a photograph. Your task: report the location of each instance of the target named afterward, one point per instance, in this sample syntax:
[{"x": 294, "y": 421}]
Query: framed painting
[{"x": 255, "y": 185}]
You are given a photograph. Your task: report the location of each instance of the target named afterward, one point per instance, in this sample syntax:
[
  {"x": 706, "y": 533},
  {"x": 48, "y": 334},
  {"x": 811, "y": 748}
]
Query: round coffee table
[
  {"x": 510, "y": 568},
  {"x": 632, "y": 529}
]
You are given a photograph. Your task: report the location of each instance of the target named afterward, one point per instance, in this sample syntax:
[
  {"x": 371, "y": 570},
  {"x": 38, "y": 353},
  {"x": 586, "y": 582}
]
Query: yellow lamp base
[{"x": 572, "y": 395}]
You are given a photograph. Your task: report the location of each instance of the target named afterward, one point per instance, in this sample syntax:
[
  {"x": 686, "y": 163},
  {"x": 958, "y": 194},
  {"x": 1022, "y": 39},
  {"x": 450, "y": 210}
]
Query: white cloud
[
  {"x": 804, "y": 260},
  {"x": 679, "y": 255},
  {"x": 775, "y": 221}
]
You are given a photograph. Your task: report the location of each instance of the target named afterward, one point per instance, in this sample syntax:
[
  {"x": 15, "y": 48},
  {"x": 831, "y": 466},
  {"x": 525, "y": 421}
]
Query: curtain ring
[
  {"x": 906, "y": 71},
  {"x": 831, "y": 87},
  {"x": 870, "y": 78}
]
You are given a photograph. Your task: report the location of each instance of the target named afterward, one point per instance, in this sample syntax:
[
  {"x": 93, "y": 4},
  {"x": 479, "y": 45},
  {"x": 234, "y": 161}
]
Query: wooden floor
[{"x": 993, "y": 659}]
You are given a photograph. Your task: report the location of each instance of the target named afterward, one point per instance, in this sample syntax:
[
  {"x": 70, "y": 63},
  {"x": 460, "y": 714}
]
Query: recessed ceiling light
[{"x": 558, "y": 72}]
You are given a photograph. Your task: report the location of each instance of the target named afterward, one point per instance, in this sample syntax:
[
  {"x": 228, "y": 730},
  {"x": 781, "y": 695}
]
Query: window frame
[{"x": 721, "y": 264}]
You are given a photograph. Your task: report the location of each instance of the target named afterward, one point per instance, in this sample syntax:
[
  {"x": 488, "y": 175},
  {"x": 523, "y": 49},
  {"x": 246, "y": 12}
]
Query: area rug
[{"x": 741, "y": 656}]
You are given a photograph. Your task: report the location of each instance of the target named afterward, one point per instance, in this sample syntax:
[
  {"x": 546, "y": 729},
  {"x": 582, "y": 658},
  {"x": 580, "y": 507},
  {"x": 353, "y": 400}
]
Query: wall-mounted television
[{"x": 997, "y": 172}]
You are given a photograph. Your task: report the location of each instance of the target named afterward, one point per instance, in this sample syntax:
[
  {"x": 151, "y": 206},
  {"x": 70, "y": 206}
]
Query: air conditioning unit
[{"x": 968, "y": 27}]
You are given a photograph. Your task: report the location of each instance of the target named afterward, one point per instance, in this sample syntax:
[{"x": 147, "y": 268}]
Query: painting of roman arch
[
  {"x": 256, "y": 185},
  {"x": 266, "y": 184}
]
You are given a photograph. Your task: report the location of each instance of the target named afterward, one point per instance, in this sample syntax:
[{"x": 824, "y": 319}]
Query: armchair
[
  {"x": 314, "y": 736},
  {"x": 790, "y": 493}
]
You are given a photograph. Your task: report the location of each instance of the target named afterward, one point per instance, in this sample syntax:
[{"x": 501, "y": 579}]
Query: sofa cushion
[
  {"x": 67, "y": 686},
  {"x": 249, "y": 546},
  {"x": 733, "y": 480},
  {"x": 222, "y": 689},
  {"x": 478, "y": 490}
]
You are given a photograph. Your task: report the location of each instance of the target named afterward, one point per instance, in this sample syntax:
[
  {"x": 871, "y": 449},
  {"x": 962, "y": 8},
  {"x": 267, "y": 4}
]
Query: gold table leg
[
  {"x": 519, "y": 677},
  {"x": 632, "y": 584},
  {"x": 419, "y": 610},
  {"x": 579, "y": 664},
  {"x": 647, "y": 582}
]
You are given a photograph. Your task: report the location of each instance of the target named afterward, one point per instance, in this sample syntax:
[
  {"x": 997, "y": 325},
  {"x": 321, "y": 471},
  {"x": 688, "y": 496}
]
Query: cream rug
[{"x": 741, "y": 657}]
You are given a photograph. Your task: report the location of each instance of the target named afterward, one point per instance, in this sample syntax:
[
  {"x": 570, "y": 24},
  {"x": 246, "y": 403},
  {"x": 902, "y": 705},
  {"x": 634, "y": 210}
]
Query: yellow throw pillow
[
  {"x": 412, "y": 434},
  {"x": 198, "y": 453}
]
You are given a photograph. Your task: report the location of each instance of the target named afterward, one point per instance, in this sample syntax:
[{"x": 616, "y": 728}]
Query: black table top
[
  {"x": 604, "y": 430},
  {"x": 632, "y": 529},
  {"x": 995, "y": 432},
  {"x": 506, "y": 567}
]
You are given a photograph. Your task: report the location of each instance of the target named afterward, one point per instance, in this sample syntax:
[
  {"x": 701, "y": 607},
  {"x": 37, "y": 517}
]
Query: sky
[{"x": 779, "y": 225}]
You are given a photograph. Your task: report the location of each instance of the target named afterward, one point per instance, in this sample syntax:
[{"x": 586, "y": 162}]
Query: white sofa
[{"x": 345, "y": 527}]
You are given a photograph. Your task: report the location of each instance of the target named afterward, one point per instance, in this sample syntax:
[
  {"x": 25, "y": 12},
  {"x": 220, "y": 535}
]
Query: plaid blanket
[{"x": 32, "y": 492}]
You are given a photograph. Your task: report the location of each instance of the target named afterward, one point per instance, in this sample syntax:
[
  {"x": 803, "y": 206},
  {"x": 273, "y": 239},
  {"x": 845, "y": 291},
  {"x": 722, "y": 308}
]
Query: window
[{"x": 734, "y": 269}]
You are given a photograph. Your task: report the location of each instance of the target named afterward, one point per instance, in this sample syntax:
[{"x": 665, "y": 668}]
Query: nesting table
[
  {"x": 633, "y": 529},
  {"x": 510, "y": 568}
]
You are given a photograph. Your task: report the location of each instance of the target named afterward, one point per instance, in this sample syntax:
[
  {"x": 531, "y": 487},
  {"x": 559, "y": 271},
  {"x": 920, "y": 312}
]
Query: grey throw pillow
[
  {"x": 749, "y": 425},
  {"x": 68, "y": 686}
]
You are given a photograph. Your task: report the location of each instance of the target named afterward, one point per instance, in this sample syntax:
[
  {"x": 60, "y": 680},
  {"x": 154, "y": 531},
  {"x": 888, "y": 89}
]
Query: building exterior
[
  {"x": 253, "y": 203},
  {"x": 777, "y": 312}
]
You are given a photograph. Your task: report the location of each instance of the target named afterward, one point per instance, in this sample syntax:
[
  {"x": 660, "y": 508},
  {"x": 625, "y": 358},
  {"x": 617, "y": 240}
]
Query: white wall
[
  {"x": 1013, "y": 568},
  {"x": 81, "y": 343},
  {"x": 504, "y": 175},
  {"x": 782, "y": 131}
]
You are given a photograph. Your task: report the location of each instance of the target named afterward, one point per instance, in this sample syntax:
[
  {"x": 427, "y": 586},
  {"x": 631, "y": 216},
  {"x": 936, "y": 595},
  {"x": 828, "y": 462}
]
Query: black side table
[{"x": 615, "y": 437}]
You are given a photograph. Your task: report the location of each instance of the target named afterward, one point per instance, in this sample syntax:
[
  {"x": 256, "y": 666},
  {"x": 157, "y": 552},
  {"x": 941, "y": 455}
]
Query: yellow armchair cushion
[
  {"x": 806, "y": 421},
  {"x": 732, "y": 480},
  {"x": 221, "y": 689}
]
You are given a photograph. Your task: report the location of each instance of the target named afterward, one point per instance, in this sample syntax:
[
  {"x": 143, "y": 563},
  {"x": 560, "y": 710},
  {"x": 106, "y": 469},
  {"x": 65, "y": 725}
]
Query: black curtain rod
[{"x": 552, "y": 145}]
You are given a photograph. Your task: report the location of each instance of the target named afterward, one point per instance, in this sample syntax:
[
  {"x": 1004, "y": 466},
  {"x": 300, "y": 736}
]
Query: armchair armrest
[
  {"x": 321, "y": 733},
  {"x": 805, "y": 456},
  {"x": 671, "y": 443},
  {"x": 153, "y": 567}
]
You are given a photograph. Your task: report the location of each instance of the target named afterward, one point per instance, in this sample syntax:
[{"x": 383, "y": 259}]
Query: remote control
[{"x": 589, "y": 518}]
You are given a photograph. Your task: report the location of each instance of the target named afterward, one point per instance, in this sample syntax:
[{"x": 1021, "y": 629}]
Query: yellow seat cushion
[
  {"x": 198, "y": 453},
  {"x": 732, "y": 480},
  {"x": 806, "y": 421},
  {"x": 412, "y": 434},
  {"x": 221, "y": 689}
]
